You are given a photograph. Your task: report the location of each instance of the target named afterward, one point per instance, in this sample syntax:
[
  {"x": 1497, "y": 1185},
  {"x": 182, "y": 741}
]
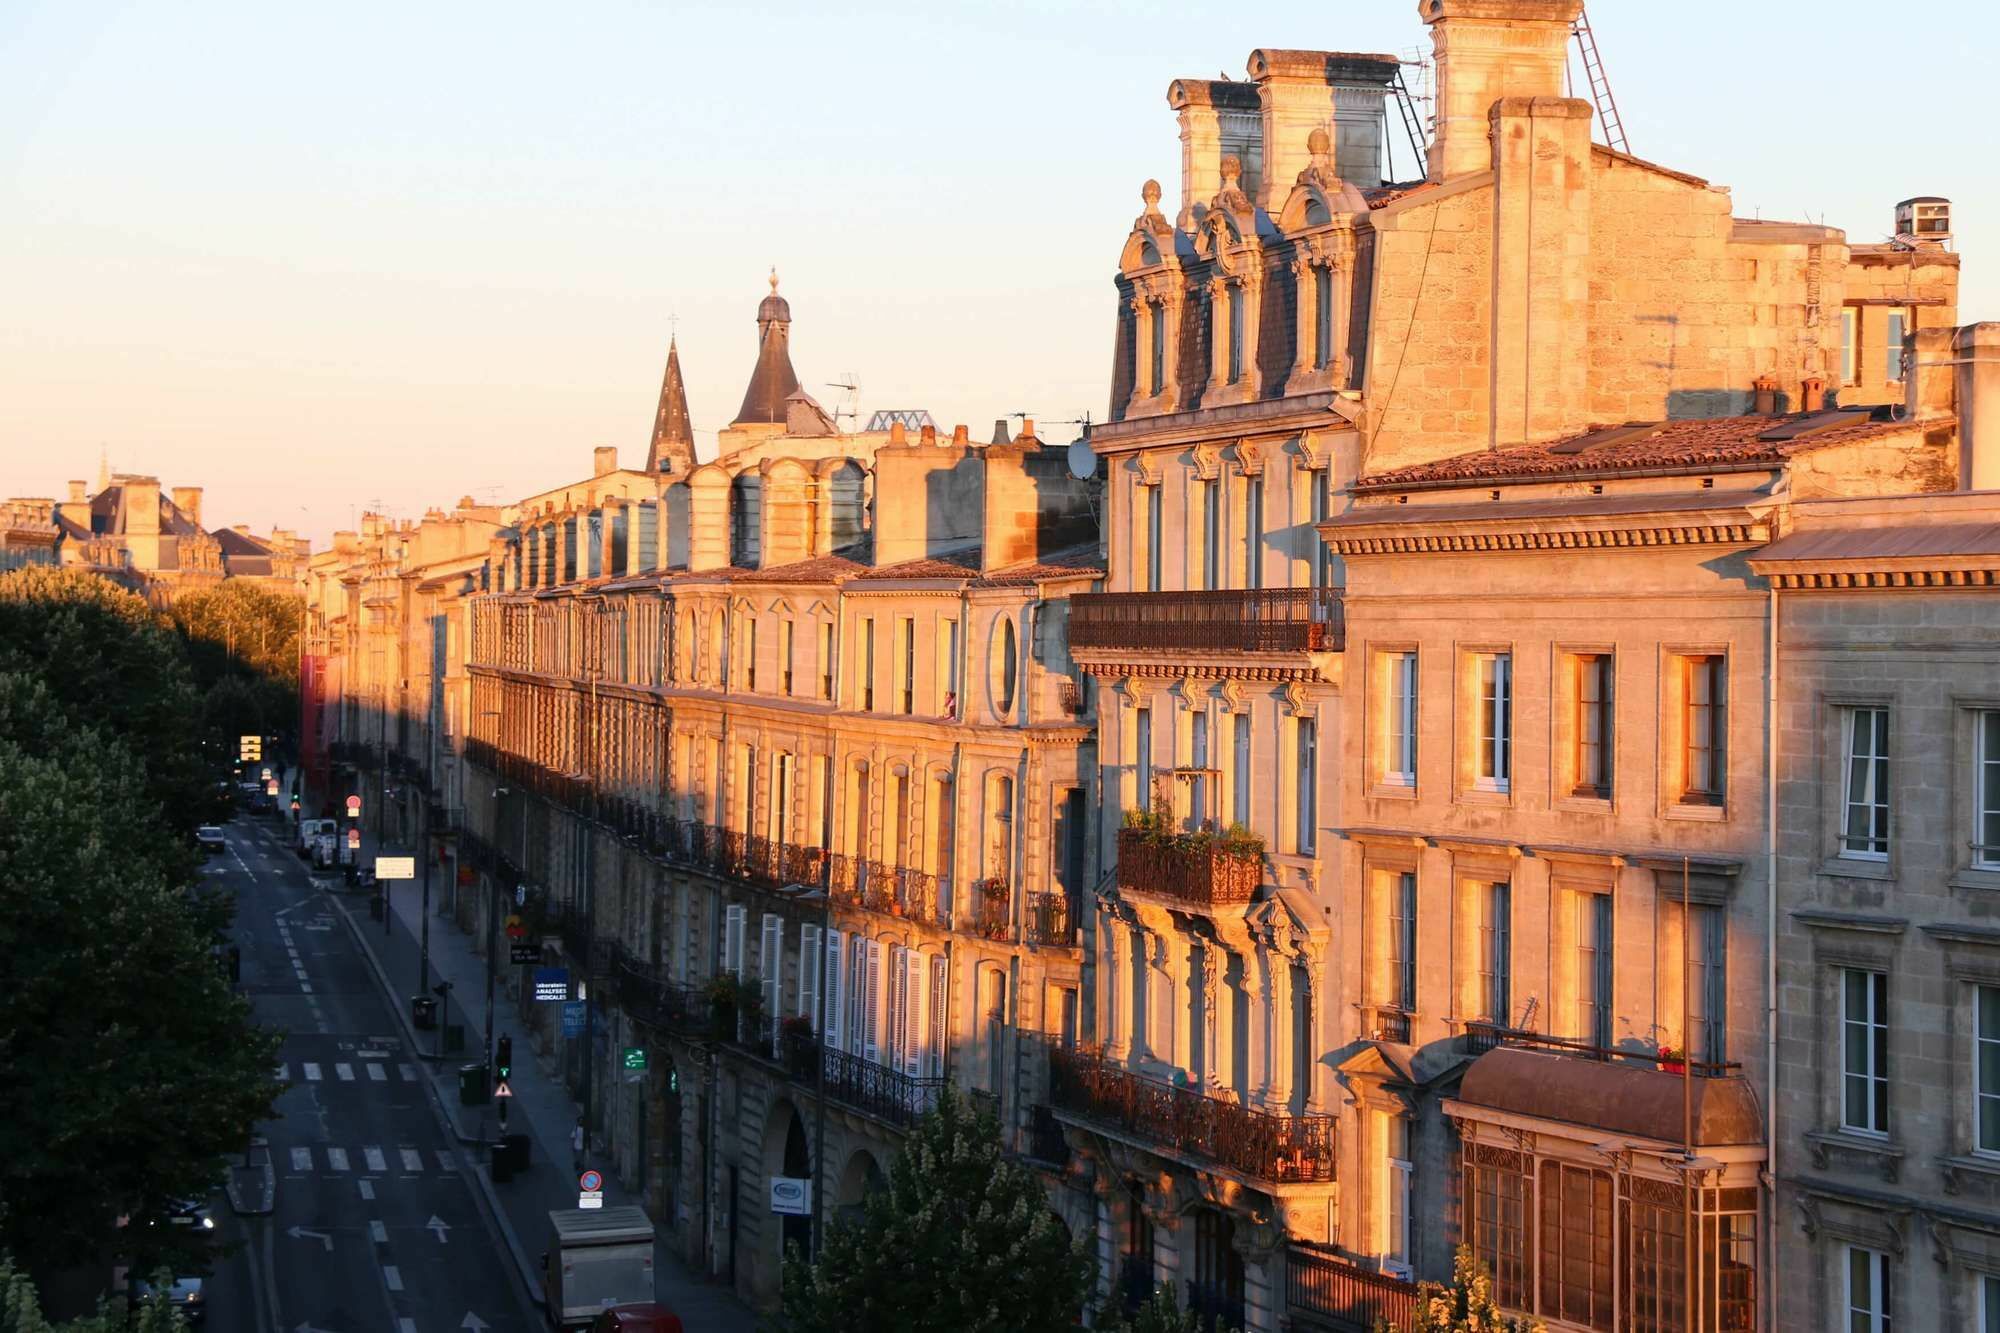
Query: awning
[{"x": 1611, "y": 1098}]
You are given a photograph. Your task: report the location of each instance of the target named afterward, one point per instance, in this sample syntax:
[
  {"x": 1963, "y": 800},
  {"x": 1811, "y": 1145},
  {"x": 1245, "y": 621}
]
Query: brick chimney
[
  {"x": 187, "y": 499},
  {"x": 1486, "y": 50}
]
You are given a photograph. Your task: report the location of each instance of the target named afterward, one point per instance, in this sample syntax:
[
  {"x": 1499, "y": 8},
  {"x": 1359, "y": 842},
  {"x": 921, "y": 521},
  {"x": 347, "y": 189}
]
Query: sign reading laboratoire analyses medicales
[{"x": 551, "y": 983}]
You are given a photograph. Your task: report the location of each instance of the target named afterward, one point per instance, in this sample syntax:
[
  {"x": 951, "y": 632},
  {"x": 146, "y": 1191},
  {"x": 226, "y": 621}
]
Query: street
[{"x": 376, "y": 1224}]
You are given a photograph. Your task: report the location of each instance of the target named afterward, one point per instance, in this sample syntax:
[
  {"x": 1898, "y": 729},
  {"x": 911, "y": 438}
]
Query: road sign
[
  {"x": 515, "y": 929},
  {"x": 354, "y": 807},
  {"x": 501, "y": 1090},
  {"x": 395, "y": 867},
  {"x": 590, "y": 1199},
  {"x": 271, "y": 787},
  {"x": 551, "y": 983},
  {"x": 635, "y": 1057},
  {"x": 354, "y": 839},
  {"x": 590, "y": 1182},
  {"x": 520, "y": 895},
  {"x": 791, "y": 1195},
  {"x": 572, "y": 1018},
  {"x": 524, "y": 953}
]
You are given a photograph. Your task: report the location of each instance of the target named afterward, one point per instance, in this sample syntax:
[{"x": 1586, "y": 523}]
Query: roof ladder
[
  {"x": 1600, "y": 86},
  {"x": 1413, "y": 123}
]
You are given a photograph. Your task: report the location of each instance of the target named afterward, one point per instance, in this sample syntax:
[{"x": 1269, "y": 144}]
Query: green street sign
[{"x": 635, "y": 1057}]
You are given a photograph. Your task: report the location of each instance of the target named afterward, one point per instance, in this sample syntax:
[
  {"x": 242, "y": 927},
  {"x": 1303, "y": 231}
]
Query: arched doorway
[
  {"x": 861, "y": 1178},
  {"x": 797, "y": 1228}
]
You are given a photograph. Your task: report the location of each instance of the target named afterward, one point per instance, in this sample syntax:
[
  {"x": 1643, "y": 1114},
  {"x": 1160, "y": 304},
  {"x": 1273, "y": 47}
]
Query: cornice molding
[
  {"x": 1420, "y": 540},
  {"x": 1835, "y": 578}
]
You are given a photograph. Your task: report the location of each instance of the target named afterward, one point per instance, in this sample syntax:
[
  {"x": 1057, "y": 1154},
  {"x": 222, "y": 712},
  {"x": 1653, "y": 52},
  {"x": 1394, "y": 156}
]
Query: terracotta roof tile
[
  {"x": 818, "y": 569},
  {"x": 1690, "y": 446},
  {"x": 957, "y": 565},
  {"x": 1071, "y": 562}
]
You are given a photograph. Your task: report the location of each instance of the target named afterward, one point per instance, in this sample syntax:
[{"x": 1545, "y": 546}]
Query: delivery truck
[{"x": 598, "y": 1258}]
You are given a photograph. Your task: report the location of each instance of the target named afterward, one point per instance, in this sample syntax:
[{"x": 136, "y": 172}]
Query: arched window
[{"x": 1006, "y": 665}]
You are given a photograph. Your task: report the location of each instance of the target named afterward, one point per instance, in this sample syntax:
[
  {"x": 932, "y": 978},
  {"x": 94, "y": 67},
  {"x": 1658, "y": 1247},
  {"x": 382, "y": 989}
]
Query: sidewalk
[{"x": 541, "y": 1106}]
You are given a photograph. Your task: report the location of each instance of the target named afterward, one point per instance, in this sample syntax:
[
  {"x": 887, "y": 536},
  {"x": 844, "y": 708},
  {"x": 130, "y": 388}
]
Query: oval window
[{"x": 1005, "y": 666}]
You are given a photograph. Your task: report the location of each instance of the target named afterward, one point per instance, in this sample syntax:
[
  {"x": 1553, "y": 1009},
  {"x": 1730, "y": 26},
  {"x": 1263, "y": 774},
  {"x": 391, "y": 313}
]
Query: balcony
[
  {"x": 991, "y": 901},
  {"x": 1192, "y": 869},
  {"x": 862, "y": 1085},
  {"x": 1051, "y": 920},
  {"x": 1263, "y": 1145},
  {"x": 1215, "y": 1306},
  {"x": 651, "y": 1001},
  {"x": 1481, "y": 1037},
  {"x": 1234, "y": 620},
  {"x": 1323, "y": 1290}
]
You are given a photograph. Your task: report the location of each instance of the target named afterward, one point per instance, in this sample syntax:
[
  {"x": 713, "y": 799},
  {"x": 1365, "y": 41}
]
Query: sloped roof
[
  {"x": 1071, "y": 562},
  {"x": 1690, "y": 445},
  {"x": 1616, "y": 1098},
  {"x": 673, "y": 431},
  {"x": 774, "y": 380}
]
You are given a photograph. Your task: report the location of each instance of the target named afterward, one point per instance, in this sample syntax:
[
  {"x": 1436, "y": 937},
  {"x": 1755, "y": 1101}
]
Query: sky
[{"x": 323, "y": 258}]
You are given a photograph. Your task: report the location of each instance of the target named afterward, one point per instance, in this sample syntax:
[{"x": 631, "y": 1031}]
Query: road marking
[
  {"x": 312, "y": 1072},
  {"x": 283, "y": 1073},
  {"x": 378, "y": 1233},
  {"x": 409, "y": 1073},
  {"x": 406, "y": 1326},
  {"x": 336, "y": 1159},
  {"x": 392, "y": 1277},
  {"x": 345, "y": 1071},
  {"x": 302, "y": 1159},
  {"x": 376, "y": 1162},
  {"x": 367, "y": 1189},
  {"x": 377, "y": 1074},
  {"x": 299, "y": 972},
  {"x": 446, "y": 1161},
  {"x": 412, "y": 1159},
  {"x": 305, "y": 988}
]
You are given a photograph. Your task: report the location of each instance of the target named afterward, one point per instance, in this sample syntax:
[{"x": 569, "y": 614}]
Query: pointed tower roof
[
  {"x": 773, "y": 380},
  {"x": 673, "y": 436}
]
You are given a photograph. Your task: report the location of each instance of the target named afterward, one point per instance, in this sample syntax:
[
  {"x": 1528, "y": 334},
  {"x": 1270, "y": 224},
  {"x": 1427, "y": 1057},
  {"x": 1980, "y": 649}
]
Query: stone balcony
[{"x": 1187, "y": 870}]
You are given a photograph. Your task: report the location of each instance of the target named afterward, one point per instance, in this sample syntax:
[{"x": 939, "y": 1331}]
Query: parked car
[
  {"x": 185, "y": 1295},
  {"x": 648, "y": 1318},
  {"x": 210, "y": 837}
]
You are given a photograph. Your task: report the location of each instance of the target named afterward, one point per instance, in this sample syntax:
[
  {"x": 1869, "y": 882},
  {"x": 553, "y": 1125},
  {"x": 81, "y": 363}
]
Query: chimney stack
[
  {"x": 187, "y": 499},
  {"x": 1486, "y": 50},
  {"x": 1765, "y": 402},
  {"x": 1977, "y": 350},
  {"x": 1812, "y": 394},
  {"x": 960, "y": 436},
  {"x": 79, "y": 491},
  {"x": 897, "y": 435},
  {"x": 1302, "y": 91},
  {"x": 1000, "y": 434},
  {"x": 606, "y": 459},
  {"x": 928, "y": 435}
]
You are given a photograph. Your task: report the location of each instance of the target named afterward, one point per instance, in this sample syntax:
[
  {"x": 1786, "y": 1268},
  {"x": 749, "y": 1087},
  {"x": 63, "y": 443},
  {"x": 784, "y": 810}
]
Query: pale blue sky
[{"x": 311, "y": 256}]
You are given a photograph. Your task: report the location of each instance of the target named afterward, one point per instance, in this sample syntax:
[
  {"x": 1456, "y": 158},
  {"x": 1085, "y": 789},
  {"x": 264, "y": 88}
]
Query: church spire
[
  {"x": 773, "y": 381},
  {"x": 673, "y": 436}
]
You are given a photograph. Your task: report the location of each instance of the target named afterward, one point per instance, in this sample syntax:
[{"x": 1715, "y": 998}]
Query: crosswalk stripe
[
  {"x": 312, "y": 1072},
  {"x": 412, "y": 1159},
  {"x": 336, "y": 1159},
  {"x": 406, "y": 1326},
  {"x": 392, "y": 1277},
  {"x": 367, "y": 1187},
  {"x": 305, "y": 988},
  {"x": 409, "y": 1073},
  {"x": 446, "y": 1161},
  {"x": 378, "y": 1233},
  {"x": 345, "y": 1071},
  {"x": 376, "y": 1162},
  {"x": 282, "y": 1073},
  {"x": 302, "y": 1159},
  {"x": 376, "y": 1074}
]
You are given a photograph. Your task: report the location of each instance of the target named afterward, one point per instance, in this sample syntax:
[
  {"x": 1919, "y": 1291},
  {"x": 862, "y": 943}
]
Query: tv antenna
[{"x": 850, "y": 386}]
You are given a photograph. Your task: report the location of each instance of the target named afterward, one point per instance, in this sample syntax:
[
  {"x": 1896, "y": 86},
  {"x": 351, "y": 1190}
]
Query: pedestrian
[{"x": 576, "y": 1144}]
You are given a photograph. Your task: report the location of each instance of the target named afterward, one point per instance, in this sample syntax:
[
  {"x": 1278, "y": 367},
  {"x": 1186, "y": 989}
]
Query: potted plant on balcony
[
  {"x": 724, "y": 1002},
  {"x": 1673, "y": 1060}
]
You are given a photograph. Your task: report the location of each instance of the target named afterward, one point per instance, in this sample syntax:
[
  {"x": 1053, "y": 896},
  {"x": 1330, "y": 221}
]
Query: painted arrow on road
[
  {"x": 300, "y": 1233},
  {"x": 474, "y": 1323},
  {"x": 438, "y": 1226}
]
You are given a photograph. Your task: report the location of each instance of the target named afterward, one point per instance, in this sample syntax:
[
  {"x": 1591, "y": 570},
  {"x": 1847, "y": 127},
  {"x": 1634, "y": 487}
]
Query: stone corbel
[
  {"x": 1940, "y": 1242},
  {"x": 1250, "y": 458},
  {"x": 1230, "y": 695},
  {"x": 1207, "y": 461},
  {"x": 1193, "y": 692},
  {"x": 1138, "y": 691},
  {"x": 1315, "y": 453},
  {"x": 1148, "y": 467},
  {"x": 1298, "y": 701},
  {"x": 1808, "y": 1216}
]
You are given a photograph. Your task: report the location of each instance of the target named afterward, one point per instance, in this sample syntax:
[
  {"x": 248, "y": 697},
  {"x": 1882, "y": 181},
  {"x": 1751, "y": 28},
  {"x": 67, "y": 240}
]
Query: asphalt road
[{"x": 376, "y": 1225}]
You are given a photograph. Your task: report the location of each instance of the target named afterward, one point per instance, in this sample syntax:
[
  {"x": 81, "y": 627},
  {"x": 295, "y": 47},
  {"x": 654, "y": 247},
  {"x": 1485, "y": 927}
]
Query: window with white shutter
[
  {"x": 732, "y": 940},
  {"x": 899, "y": 1007},
  {"x": 935, "y": 1016},
  {"x": 871, "y": 1036},
  {"x": 857, "y": 996},
  {"x": 835, "y": 1034},
  {"x": 771, "y": 970},
  {"x": 915, "y": 989},
  {"x": 810, "y": 962}
]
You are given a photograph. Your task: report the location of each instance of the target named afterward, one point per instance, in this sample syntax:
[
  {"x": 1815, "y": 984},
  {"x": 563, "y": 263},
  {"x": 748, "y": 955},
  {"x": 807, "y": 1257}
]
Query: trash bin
[
  {"x": 472, "y": 1089},
  {"x": 423, "y": 1009},
  {"x": 501, "y": 1159},
  {"x": 516, "y": 1147},
  {"x": 454, "y": 1038}
]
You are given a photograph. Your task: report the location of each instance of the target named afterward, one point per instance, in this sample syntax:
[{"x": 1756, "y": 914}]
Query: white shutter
[
  {"x": 871, "y": 989},
  {"x": 835, "y": 1034},
  {"x": 857, "y": 996},
  {"x": 810, "y": 961},
  {"x": 732, "y": 940},
  {"x": 896, "y": 1005},
  {"x": 939, "y": 1005},
  {"x": 913, "y": 1039},
  {"x": 770, "y": 968}
]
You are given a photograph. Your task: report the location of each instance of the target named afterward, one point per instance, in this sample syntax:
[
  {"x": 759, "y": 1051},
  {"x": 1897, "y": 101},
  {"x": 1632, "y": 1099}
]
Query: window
[
  {"x": 1006, "y": 666},
  {"x": 1253, "y": 532},
  {"x": 1864, "y": 829},
  {"x": 1704, "y": 934},
  {"x": 785, "y": 636},
  {"x": 1867, "y": 1290},
  {"x": 1986, "y": 1069},
  {"x": 1157, "y": 329},
  {"x": 1986, "y": 790},
  {"x": 1402, "y": 960},
  {"x": 1199, "y": 793},
  {"x": 1706, "y": 729},
  {"x": 1892, "y": 361},
  {"x": 1305, "y": 775},
  {"x": 868, "y": 665},
  {"x": 1864, "y": 1051},
  {"x": 1495, "y": 907},
  {"x": 1576, "y": 1245},
  {"x": 947, "y": 675},
  {"x": 1142, "y": 756},
  {"x": 1847, "y": 317},
  {"x": 1322, "y": 508},
  {"x": 1989, "y": 1303},
  {"x": 1401, "y": 766},
  {"x": 1499, "y": 1189},
  {"x": 1211, "y": 534},
  {"x": 906, "y": 665},
  {"x": 1239, "y": 773},
  {"x": 1235, "y": 333},
  {"x": 1592, "y": 726},
  {"x": 780, "y": 819},
  {"x": 1496, "y": 720},
  {"x": 1592, "y": 931},
  {"x": 1322, "y": 316},
  {"x": 1154, "y": 529},
  {"x": 1395, "y": 1245}
]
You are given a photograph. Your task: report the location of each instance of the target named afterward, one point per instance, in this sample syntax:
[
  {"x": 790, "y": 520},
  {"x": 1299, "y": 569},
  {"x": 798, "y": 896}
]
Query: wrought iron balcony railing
[
  {"x": 1264, "y": 1145},
  {"x": 1233, "y": 620},
  {"x": 1328, "y": 1288},
  {"x": 1051, "y": 920},
  {"x": 1196, "y": 869},
  {"x": 1480, "y": 1037},
  {"x": 992, "y": 905},
  {"x": 874, "y": 1089}
]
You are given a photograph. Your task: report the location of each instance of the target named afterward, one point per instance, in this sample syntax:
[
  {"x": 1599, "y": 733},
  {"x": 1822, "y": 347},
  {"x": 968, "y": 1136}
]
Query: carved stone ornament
[
  {"x": 1250, "y": 458},
  {"x": 1148, "y": 467},
  {"x": 1231, "y": 696},
  {"x": 1194, "y": 694},
  {"x": 1138, "y": 691},
  {"x": 1315, "y": 450},
  {"x": 1299, "y": 701},
  {"x": 1207, "y": 461}
]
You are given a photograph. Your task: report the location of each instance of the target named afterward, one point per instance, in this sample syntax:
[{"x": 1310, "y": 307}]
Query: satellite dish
[{"x": 1082, "y": 460}]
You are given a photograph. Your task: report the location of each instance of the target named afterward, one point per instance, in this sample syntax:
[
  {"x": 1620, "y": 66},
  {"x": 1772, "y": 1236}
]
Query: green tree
[
  {"x": 113, "y": 665},
  {"x": 1161, "y": 1314},
  {"x": 961, "y": 1241},
  {"x": 1465, "y": 1305},
  {"x": 131, "y": 1067},
  {"x": 21, "y": 1310}
]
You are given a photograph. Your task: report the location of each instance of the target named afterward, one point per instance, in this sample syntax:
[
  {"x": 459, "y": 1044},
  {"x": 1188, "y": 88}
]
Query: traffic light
[{"x": 504, "y": 1061}]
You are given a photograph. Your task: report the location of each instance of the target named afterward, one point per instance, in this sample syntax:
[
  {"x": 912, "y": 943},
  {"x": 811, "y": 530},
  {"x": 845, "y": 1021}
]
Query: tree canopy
[{"x": 961, "y": 1241}]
